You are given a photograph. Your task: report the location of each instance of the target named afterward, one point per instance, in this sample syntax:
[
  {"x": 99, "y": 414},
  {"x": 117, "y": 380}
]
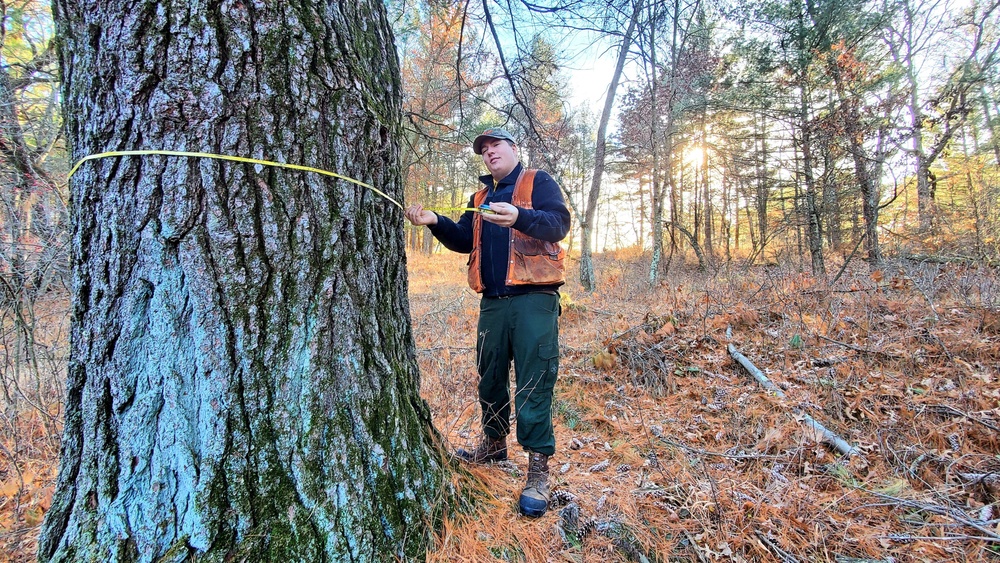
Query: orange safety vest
[{"x": 532, "y": 261}]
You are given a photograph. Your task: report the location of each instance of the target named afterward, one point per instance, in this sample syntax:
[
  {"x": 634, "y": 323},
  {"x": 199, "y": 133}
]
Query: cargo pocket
[
  {"x": 549, "y": 356},
  {"x": 548, "y": 351}
]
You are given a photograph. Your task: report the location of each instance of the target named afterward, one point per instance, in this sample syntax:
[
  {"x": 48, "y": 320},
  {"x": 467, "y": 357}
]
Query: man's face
[{"x": 500, "y": 157}]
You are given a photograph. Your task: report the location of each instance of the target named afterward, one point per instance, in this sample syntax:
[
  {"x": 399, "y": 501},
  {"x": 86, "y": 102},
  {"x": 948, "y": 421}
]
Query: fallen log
[{"x": 831, "y": 437}]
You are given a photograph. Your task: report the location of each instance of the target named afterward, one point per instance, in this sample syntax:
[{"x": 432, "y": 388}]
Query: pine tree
[{"x": 242, "y": 382}]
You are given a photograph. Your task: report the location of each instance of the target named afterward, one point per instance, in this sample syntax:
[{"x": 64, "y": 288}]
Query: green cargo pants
[{"x": 523, "y": 329}]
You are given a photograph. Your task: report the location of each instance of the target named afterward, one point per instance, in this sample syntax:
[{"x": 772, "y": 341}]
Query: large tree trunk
[{"x": 242, "y": 383}]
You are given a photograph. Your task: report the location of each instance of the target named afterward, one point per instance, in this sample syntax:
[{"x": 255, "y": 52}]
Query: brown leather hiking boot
[
  {"x": 534, "y": 499},
  {"x": 488, "y": 451}
]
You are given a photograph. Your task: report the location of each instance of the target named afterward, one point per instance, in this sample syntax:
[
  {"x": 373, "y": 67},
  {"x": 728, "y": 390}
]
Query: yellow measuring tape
[
  {"x": 233, "y": 159},
  {"x": 253, "y": 161},
  {"x": 463, "y": 209}
]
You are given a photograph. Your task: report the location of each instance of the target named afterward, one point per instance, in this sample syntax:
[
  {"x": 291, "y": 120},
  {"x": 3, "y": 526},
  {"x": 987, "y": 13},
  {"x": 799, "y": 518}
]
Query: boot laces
[{"x": 538, "y": 471}]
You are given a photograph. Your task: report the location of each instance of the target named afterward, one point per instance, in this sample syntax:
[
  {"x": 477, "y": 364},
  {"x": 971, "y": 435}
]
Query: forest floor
[{"x": 668, "y": 450}]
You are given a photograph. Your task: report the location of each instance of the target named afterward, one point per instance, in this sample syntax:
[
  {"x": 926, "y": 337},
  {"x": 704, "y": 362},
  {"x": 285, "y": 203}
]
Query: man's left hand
[{"x": 504, "y": 214}]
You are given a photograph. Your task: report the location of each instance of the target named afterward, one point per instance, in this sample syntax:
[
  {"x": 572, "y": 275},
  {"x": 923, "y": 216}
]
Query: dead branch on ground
[
  {"x": 945, "y": 409},
  {"x": 948, "y": 512},
  {"x": 831, "y": 437},
  {"x": 859, "y": 349}
]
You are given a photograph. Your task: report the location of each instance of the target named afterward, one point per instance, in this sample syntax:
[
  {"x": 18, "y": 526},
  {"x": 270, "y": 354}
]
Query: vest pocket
[
  {"x": 537, "y": 269},
  {"x": 535, "y": 247}
]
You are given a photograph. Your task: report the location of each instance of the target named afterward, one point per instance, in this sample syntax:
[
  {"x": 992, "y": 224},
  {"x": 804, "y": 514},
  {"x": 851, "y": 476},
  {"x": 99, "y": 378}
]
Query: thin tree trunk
[
  {"x": 725, "y": 218},
  {"x": 654, "y": 142},
  {"x": 587, "y": 278},
  {"x": 242, "y": 383},
  {"x": 693, "y": 241},
  {"x": 676, "y": 193},
  {"x": 831, "y": 209},
  {"x": 678, "y": 38},
  {"x": 762, "y": 187},
  {"x": 709, "y": 219},
  {"x": 642, "y": 219},
  {"x": 814, "y": 232},
  {"x": 991, "y": 123},
  {"x": 696, "y": 201},
  {"x": 863, "y": 167}
]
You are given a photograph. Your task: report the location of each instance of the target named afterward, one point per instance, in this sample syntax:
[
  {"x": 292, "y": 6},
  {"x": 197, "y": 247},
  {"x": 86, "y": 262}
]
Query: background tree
[
  {"x": 940, "y": 101},
  {"x": 806, "y": 33},
  {"x": 655, "y": 113},
  {"x": 587, "y": 278},
  {"x": 796, "y": 126},
  {"x": 33, "y": 214},
  {"x": 446, "y": 75},
  {"x": 242, "y": 383},
  {"x": 543, "y": 90},
  {"x": 867, "y": 99},
  {"x": 575, "y": 165}
]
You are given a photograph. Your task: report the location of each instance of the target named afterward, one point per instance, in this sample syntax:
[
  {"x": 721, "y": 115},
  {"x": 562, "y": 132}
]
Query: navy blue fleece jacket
[{"x": 547, "y": 220}]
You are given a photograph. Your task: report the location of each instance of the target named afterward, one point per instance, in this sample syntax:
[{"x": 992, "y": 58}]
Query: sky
[{"x": 589, "y": 76}]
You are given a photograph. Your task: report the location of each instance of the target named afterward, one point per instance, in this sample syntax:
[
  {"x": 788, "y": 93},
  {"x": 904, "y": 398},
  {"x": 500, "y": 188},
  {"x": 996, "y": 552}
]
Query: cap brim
[{"x": 477, "y": 144}]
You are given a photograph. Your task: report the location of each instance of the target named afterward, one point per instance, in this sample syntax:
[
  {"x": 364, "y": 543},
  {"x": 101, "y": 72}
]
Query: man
[{"x": 517, "y": 264}]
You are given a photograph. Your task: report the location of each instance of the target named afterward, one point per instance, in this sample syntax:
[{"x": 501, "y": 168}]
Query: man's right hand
[{"x": 420, "y": 216}]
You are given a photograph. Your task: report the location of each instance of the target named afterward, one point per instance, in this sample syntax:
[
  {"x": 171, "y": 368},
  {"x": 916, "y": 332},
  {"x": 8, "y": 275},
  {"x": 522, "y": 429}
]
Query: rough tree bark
[{"x": 242, "y": 383}]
